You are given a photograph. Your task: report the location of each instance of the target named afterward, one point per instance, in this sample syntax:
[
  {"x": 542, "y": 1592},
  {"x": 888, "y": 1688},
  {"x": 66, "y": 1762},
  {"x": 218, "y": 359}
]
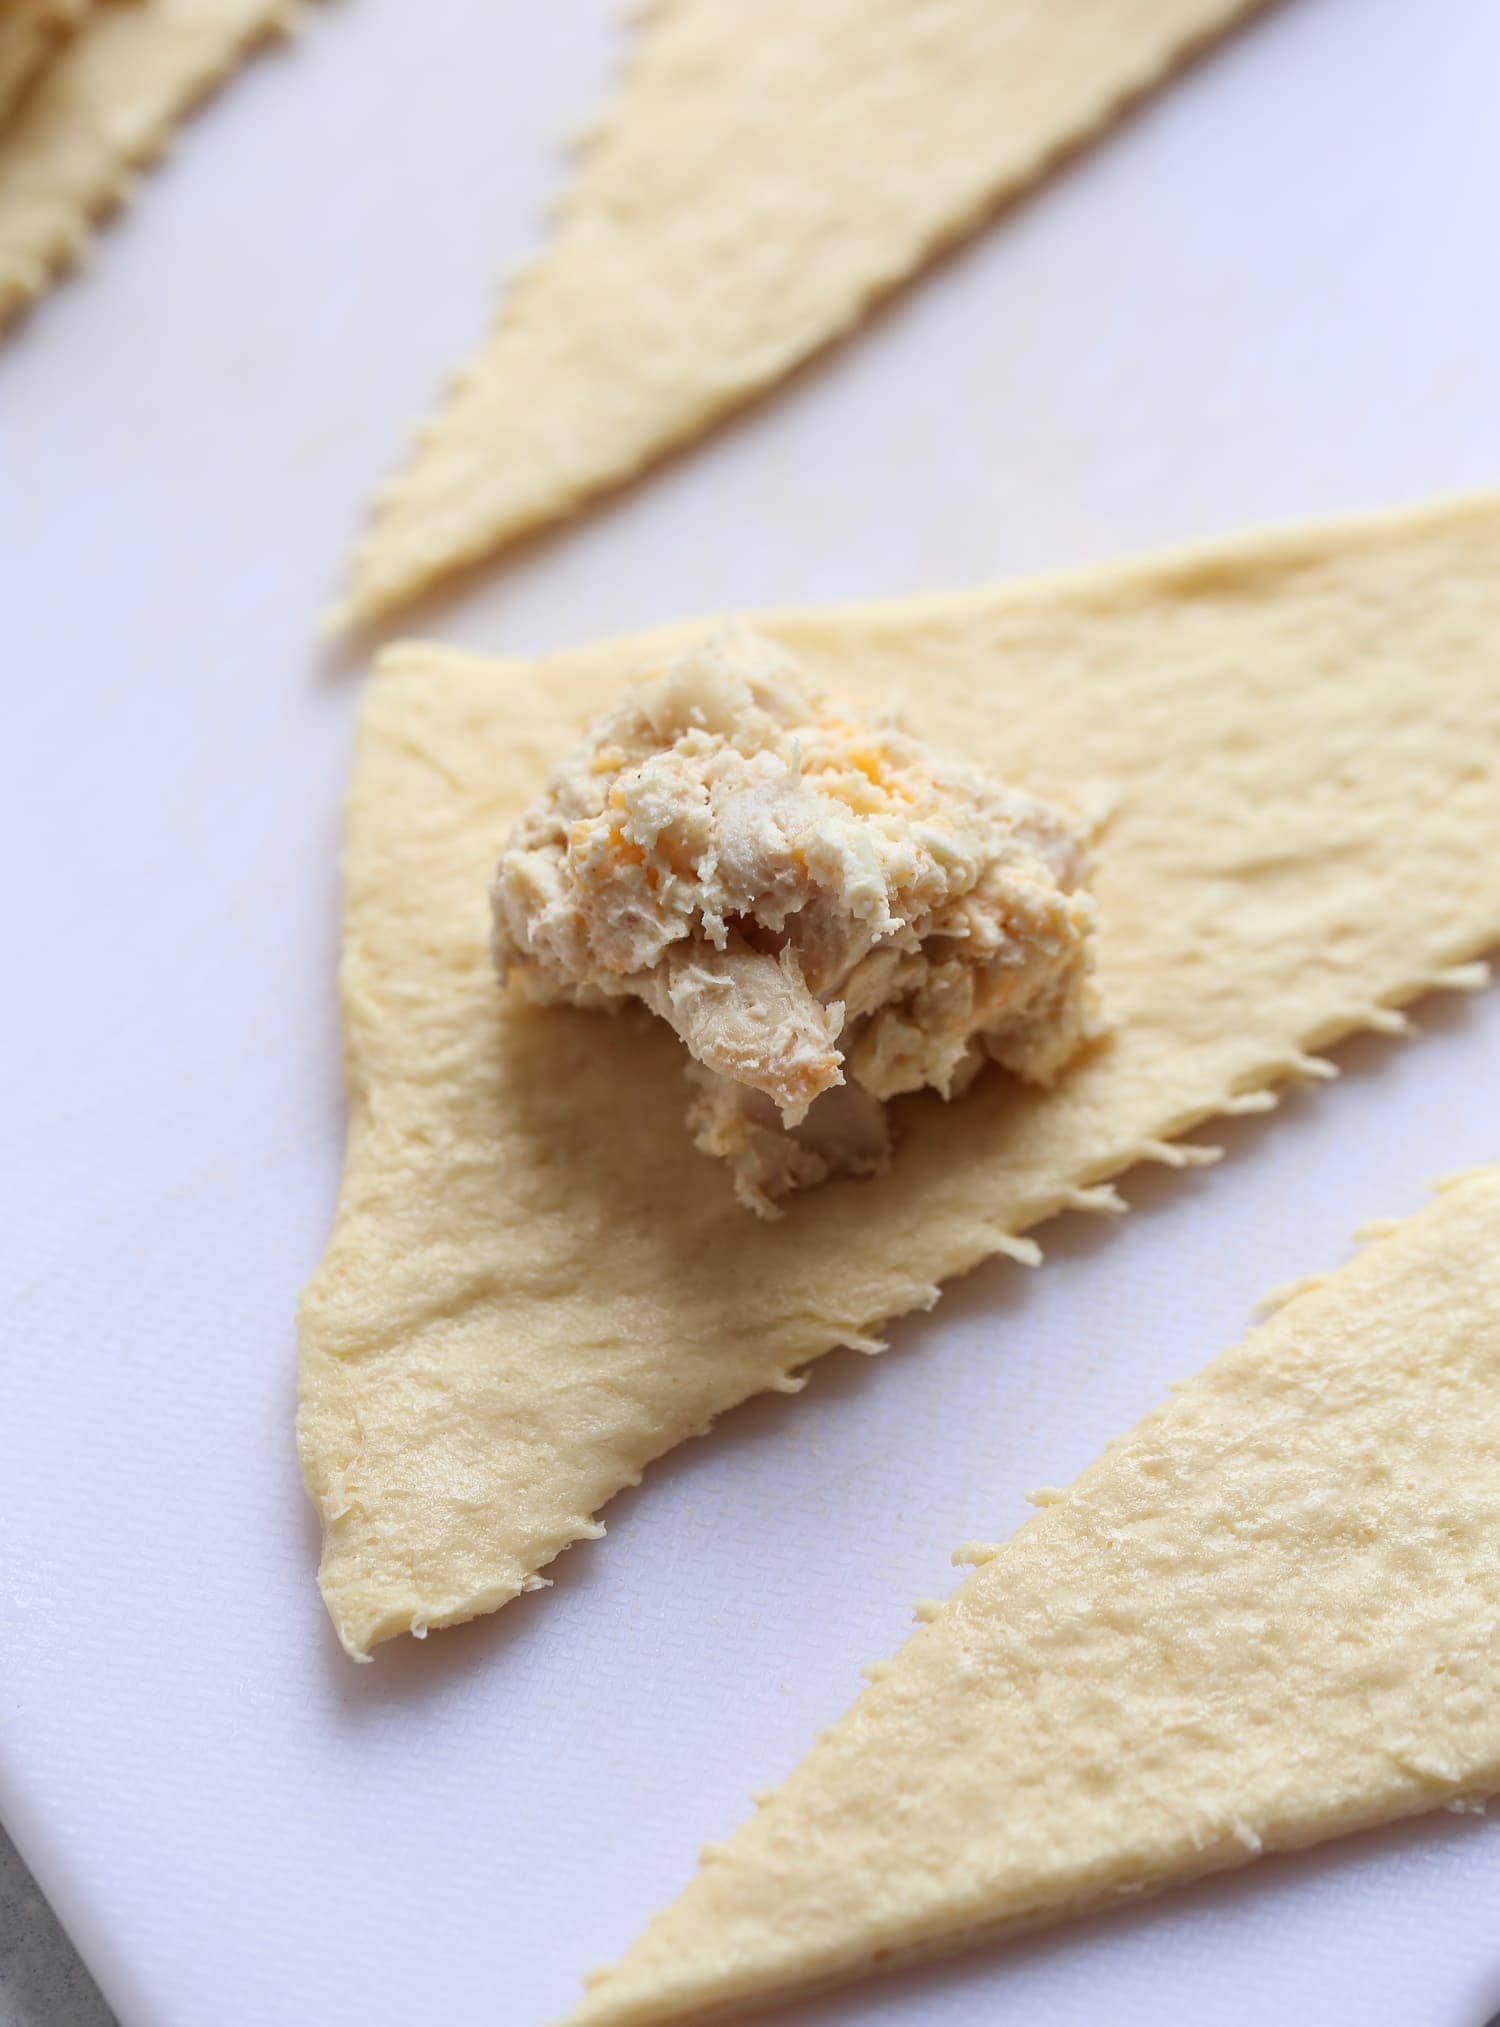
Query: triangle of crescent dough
[
  {"x": 101, "y": 109},
  {"x": 536, "y": 1285},
  {"x": 1269, "y": 1616},
  {"x": 761, "y": 178}
]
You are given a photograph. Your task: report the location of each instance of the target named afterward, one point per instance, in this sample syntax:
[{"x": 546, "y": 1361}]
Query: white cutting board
[{"x": 1275, "y": 294}]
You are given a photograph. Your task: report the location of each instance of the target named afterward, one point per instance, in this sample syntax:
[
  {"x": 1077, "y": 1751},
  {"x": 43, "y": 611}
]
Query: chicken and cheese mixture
[{"x": 827, "y": 912}]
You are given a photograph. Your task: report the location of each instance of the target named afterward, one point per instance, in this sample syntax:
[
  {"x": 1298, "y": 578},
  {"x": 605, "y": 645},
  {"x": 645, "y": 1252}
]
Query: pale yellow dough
[
  {"x": 535, "y": 1284},
  {"x": 1268, "y": 1616},
  {"x": 106, "y": 106},
  {"x": 767, "y": 170}
]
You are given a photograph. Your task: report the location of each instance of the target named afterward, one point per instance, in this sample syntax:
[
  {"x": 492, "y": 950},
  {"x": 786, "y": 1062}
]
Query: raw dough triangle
[
  {"x": 536, "y": 1284},
  {"x": 762, "y": 176},
  {"x": 102, "y": 109},
  {"x": 1269, "y": 1616}
]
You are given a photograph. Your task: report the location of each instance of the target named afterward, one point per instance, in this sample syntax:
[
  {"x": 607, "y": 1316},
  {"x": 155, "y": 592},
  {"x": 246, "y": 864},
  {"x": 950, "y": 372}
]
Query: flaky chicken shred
[{"x": 827, "y": 912}]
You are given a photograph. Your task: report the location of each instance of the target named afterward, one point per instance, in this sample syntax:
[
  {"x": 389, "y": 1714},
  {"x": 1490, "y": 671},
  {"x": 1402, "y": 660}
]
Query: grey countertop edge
[{"x": 43, "y": 1981}]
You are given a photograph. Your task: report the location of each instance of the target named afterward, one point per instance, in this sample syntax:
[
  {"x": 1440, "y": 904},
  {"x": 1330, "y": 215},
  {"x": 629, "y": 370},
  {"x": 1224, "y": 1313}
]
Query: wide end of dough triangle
[
  {"x": 1267, "y": 1617},
  {"x": 536, "y": 1285}
]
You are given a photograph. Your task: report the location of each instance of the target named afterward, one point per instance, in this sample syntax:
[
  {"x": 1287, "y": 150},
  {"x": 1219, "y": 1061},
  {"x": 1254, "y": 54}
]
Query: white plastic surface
[{"x": 1274, "y": 294}]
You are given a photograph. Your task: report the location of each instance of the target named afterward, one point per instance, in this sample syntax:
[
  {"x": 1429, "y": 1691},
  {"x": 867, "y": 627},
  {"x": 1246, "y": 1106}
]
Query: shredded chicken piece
[{"x": 825, "y": 911}]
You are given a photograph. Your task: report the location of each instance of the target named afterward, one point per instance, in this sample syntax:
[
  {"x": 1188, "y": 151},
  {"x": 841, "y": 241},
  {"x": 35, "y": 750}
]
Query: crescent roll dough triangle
[
  {"x": 103, "y": 108},
  {"x": 536, "y": 1285},
  {"x": 1268, "y": 1616},
  {"x": 764, "y": 174}
]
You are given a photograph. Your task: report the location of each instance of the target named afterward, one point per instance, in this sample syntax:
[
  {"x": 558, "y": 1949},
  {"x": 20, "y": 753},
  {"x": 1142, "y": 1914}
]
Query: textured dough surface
[
  {"x": 535, "y": 1285},
  {"x": 1269, "y": 1616},
  {"x": 104, "y": 108},
  {"x": 767, "y": 170}
]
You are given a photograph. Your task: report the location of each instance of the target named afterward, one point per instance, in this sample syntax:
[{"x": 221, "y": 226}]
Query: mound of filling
[{"x": 828, "y": 912}]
